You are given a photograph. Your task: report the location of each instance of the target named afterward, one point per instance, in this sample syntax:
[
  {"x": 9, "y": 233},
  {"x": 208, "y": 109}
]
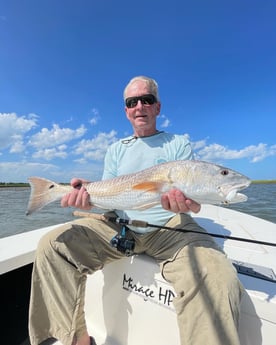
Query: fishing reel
[{"x": 122, "y": 244}]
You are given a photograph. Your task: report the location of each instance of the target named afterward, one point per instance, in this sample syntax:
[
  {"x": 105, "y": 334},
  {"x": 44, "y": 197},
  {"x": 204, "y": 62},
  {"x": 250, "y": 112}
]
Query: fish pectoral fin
[{"x": 149, "y": 186}]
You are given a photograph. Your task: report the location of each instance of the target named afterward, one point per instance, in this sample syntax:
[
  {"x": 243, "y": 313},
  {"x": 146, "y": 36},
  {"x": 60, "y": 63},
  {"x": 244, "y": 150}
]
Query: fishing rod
[{"x": 144, "y": 224}]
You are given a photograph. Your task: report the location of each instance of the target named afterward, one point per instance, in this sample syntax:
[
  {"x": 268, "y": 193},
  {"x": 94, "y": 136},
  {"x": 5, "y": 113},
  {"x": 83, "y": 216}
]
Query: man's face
[{"x": 142, "y": 116}]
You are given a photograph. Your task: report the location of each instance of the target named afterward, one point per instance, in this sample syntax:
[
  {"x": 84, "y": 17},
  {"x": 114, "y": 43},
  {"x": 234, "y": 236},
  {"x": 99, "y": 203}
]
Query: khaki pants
[{"x": 206, "y": 284}]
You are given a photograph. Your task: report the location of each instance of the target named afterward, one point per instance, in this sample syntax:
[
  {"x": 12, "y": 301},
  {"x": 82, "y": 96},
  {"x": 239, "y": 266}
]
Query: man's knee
[{"x": 46, "y": 242}]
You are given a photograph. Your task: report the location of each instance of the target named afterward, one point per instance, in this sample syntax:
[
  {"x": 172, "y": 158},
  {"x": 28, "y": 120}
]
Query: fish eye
[{"x": 224, "y": 172}]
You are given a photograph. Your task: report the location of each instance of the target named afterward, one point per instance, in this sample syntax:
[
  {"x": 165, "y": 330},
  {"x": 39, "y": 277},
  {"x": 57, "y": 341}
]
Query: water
[
  {"x": 13, "y": 203},
  {"x": 261, "y": 201}
]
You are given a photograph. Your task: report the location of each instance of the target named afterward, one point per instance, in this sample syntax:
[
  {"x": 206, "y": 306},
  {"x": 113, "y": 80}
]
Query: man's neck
[{"x": 145, "y": 133}]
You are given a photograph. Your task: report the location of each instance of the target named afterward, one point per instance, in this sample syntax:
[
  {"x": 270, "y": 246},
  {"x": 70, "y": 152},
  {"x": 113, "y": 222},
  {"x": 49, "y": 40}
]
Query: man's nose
[{"x": 139, "y": 104}]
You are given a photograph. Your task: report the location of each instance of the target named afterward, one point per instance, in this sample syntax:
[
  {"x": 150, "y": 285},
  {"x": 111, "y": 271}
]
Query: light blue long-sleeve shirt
[{"x": 133, "y": 154}]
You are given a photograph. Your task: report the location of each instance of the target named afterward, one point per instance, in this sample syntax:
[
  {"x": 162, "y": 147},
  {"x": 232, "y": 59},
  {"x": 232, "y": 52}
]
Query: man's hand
[
  {"x": 175, "y": 201},
  {"x": 78, "y": 197}
]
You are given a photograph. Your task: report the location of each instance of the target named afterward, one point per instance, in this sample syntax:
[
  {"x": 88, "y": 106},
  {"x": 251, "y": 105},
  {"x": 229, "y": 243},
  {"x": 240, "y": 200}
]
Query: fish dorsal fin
[{"x": 148, "y": 186}]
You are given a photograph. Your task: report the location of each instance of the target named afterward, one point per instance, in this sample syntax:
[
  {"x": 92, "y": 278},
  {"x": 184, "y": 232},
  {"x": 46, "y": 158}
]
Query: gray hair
[{"x": 152, "y": 84}]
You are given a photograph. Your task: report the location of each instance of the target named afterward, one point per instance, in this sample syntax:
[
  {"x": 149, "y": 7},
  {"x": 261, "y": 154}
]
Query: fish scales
[
  {"x": 130, "y": 191},
  {"x": 200, "y": 181}
]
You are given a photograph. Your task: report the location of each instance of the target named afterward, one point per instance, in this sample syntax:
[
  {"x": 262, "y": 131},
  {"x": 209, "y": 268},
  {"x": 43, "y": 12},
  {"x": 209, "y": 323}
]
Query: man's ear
[
  {"x": 127, "y": 116},
  {"x": 158, "y": 108}
]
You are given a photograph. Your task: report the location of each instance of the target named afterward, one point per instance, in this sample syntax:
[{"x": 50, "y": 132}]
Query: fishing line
[{"x": 144, "y": 224}]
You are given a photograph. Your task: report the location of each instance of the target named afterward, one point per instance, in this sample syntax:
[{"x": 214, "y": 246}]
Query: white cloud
[
  {"x": 18, "y": 146},
  {"x": 80, "y": 161},
  {"x": 217, "y": 152},
  {"x": 95, "y": 118},
  {"x": 94, "y": 149},
  {"x": 165, "y": 121},
  {"x": 261, "y": 151},
  {"x": 20, "y": 171},
  {"x": 55, "y": 136},
  {"x": 13, "y": 128},
  {"x": 197, "y": 145},
  {"x": 84, "y": 157},
  {"x": 51, "y": 153}
]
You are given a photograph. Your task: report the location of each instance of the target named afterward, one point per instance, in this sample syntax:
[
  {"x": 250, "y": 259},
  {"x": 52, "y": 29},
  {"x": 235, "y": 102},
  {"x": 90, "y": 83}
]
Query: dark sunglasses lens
[
  {"x": 131, "y": 102},
  {"x": 148, "y": 99}
]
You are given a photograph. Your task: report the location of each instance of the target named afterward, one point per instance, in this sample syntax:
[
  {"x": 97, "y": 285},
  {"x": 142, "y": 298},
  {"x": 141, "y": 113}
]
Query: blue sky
[{"x": 64, "y": 65}]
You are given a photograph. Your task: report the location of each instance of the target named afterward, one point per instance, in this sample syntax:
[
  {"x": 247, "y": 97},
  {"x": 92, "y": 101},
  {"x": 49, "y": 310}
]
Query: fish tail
[{"x": 43, "y": 192}]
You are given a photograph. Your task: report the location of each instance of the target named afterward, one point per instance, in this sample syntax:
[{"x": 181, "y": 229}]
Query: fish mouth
[{"x": 230, "y": 193}]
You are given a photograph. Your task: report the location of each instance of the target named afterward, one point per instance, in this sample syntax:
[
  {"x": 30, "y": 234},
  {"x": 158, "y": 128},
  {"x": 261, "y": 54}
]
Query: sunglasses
[{"x": 149, "y": 99}]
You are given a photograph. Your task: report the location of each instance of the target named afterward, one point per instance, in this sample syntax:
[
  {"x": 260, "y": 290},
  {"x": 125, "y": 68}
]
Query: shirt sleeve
[{"x": 183, "y": 149}]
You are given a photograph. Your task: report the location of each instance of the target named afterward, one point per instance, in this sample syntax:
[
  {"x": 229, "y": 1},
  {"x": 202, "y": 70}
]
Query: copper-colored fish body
[{"x": 201, "y": 181}]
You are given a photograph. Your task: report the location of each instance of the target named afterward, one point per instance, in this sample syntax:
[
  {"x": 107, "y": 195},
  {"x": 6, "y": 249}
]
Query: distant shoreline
[
  {"x": 13, "y": 184},
  {"x": 263, "y": 181},
  {"x": 22, "y": 184}
]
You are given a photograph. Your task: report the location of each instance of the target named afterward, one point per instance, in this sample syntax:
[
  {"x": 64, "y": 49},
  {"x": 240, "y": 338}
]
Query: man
[{"x": 206, "y": 284}]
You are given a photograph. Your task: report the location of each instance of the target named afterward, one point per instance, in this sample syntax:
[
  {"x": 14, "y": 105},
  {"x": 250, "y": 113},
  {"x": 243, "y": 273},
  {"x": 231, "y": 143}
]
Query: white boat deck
[{"x": 130, "y": 303}]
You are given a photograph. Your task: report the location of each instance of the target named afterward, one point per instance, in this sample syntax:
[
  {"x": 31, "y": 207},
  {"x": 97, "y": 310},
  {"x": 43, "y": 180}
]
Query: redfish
[{"x": 205, "y": 183}]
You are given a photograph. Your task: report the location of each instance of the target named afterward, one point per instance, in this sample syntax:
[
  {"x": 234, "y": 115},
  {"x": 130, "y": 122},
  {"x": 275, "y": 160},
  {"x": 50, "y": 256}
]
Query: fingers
[
  {"x": 175, "y": 201},
  {"x": 76, "y": 182},
  {"x": 78, "y": 197},
  {"x": 193, "y": 206},
  {"x": 165, "y": 202}
]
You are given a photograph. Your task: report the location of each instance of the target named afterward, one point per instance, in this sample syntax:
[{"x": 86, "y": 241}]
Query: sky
[{"x": 64, "y": 65}]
